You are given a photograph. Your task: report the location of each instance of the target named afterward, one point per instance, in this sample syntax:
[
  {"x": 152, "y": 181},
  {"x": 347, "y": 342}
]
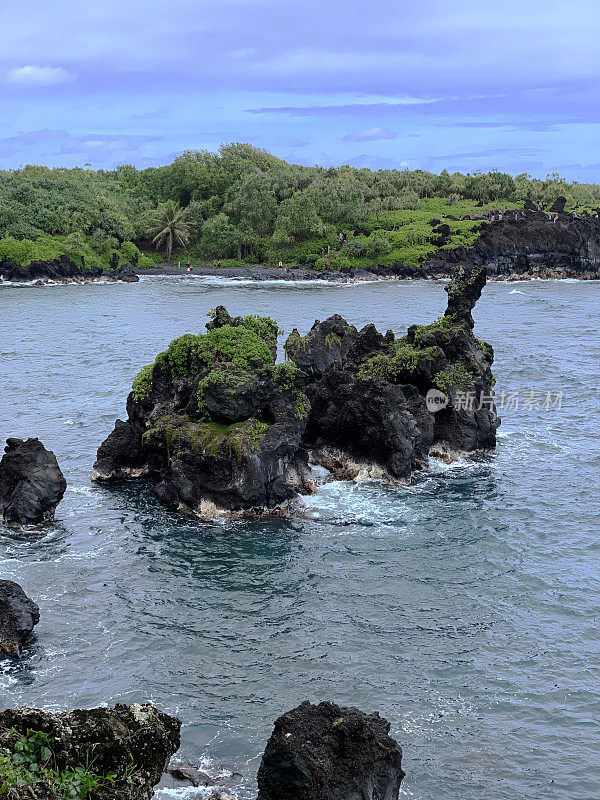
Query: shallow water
[{"x": 464, "y": 607}]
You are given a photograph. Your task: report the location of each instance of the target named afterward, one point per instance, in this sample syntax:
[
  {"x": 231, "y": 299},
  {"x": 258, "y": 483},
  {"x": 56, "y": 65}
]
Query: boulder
[
  {"x": 125, "y": 273},
  {"x": 558, "y": 206},
  {"x": 328, "y": 752},
  {"x": 18, "y": 616},
  {"x": 133, "y": 742},
  {"x": 31, "y": 483}
]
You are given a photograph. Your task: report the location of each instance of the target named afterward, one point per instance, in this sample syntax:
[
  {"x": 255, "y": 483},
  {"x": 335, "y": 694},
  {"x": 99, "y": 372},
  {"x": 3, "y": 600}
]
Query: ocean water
[{"x": 464, "y": 607}]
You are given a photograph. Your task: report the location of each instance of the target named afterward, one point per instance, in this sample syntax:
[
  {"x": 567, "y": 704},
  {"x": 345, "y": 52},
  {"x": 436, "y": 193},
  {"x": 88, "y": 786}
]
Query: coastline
[{"x": 260, "y": 272}]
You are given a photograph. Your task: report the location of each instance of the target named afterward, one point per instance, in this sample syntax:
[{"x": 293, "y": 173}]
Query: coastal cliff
[{"x": 516, "y": 245}]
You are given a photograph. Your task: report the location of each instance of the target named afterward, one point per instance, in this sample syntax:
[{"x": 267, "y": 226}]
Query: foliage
[
  {"x": 190, "y": 353},
  {"x": 284, "y": 375},
  {"x": 243, "y": 203},
  {"x": 142, "y": 382},
  {"x": 422, "y": 332},
  {"x": 455, "y": 376},
  {"x": 30, "y": 761},
  {"x": 94, "y": 251},
  {"x": 237, "y": 439},
  {"x": 168, "y": 226},
  {"x": 301, "y": 405},
  {"x": 402, "y": 357}
]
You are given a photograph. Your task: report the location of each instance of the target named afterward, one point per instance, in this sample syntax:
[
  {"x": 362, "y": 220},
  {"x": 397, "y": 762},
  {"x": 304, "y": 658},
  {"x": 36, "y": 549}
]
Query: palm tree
[{"x": 169, "y": 227}]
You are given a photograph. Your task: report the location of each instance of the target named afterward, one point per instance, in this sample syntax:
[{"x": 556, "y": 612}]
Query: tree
[{"x": 169, "y": 227}]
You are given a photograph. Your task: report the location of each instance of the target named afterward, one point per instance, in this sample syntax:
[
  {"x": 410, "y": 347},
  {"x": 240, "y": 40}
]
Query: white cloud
[
  {"x": 31, "y": 75},
  {"x": 370, "y": 135}
]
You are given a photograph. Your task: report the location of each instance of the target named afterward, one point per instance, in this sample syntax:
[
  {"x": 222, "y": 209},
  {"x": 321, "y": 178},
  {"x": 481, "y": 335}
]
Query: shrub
[
  {"x": 31, "y": 762},
  {"x": 453, "y": 377},
  {"x": 142, "y": 382}
]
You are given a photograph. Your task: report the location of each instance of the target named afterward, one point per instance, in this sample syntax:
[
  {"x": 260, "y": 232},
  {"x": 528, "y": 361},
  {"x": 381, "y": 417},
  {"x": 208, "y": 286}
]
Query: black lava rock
[
  {"x": 31, "y": 483},
  {"x": 328, "y": 752},
  {"x": 18, "y": 616}
]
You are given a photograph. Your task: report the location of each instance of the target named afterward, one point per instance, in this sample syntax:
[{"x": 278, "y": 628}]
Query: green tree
[{"x": 169, "y": 227}]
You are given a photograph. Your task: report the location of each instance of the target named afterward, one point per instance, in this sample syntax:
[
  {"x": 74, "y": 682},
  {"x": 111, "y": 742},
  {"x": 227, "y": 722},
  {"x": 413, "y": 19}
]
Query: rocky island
[{"x": 221, "y": 429}]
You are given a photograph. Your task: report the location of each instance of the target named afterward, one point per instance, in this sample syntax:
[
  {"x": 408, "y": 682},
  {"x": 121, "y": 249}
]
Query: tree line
[{"x": 244, "y": 204}]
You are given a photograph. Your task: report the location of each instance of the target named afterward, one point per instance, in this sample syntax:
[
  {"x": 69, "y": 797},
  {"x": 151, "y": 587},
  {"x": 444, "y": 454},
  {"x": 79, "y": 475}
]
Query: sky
[{"x": 458, "y": 84}]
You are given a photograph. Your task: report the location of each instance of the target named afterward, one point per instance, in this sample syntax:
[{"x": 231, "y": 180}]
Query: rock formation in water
[
  {"x": 62, "y": 270},
  {"x": 18, "y": 616},
  {"x": 221, "y": 428},
  {"x": 133, "y": 743},
  {"x": 328, "y": 752},
  {"x": 31, "y": 483},
  {"x": 524, "y": 244}
]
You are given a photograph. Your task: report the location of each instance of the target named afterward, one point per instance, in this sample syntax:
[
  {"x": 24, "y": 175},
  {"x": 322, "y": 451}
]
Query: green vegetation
[
  {"x": 142, "y": 382},
  {"x": 424, "y": 334},
  {"x": 243, "y": 205},
  {"x": 284, "y": 375},
  {"x": 401, "y": 360},
  {"x": 302, "y": 405},
  {"x": 454, "y": 377},
  {"x": 237, "y": 439},
  {"x": 168, "y": 227},
  {"x": 30, "y": 761},
  {"x": 239, "y": 346}
]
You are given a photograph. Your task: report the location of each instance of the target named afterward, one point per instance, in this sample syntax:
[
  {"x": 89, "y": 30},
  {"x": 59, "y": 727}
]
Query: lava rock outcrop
[{"x": 220, "y": 428}]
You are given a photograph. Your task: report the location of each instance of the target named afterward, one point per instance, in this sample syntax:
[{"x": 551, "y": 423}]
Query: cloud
[
  {"x": 31, "y": 75},
  {"x": 370, "y": 135},
  {"x": 343, "y": 109}
]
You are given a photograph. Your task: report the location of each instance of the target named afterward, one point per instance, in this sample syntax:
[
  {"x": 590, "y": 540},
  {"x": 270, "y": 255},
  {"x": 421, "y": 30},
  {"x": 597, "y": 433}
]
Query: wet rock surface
[
  {"x": 219, "y": 428},
  {"x": 31, "y": 483},
  {"x": 133, "y": 742},
  {"x": 18, "y": 616},
  {"x": 328, "y": 752}
]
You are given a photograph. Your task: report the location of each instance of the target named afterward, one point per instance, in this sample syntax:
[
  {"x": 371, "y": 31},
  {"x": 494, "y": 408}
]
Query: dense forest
[{"x": 244, "y": 205}]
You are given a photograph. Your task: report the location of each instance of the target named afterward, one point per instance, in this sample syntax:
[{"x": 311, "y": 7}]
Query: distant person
[
  {"x": 179, "y": 264},
  {"x": 281, "y": 264},
  {"x": 189, "y": 267}
]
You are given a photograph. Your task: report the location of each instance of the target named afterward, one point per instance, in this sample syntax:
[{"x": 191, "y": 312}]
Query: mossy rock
[{"x": 228, "y": 394}]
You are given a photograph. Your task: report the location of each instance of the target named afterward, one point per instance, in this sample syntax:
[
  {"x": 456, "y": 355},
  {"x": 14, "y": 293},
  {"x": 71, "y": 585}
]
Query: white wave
[
  {"x": 186, "y": 792},
  {"x": 82, "y": 490},
  {"x": 517, "y": 291}
]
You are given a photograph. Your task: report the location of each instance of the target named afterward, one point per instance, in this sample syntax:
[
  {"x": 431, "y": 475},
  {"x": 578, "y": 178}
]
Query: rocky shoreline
[
  {"x": 62, "y": 271},
  {"x": 512, "y": 246},
  {"x": 316, "y": 752}
]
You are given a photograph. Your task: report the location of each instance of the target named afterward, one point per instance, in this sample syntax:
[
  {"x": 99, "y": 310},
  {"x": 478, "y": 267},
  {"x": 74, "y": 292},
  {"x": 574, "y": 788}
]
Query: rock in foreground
[
  {"x": 131, "y": 745},
  {"x": 221, "y": 429},
  {"x": 31, "y": 483},
  {"x": 18, "y": 616},
  {"x": 327, "y": 752}
]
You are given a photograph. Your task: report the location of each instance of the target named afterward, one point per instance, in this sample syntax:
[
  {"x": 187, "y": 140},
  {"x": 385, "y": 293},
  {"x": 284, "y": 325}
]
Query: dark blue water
[{"x": 465, "y": 608}]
